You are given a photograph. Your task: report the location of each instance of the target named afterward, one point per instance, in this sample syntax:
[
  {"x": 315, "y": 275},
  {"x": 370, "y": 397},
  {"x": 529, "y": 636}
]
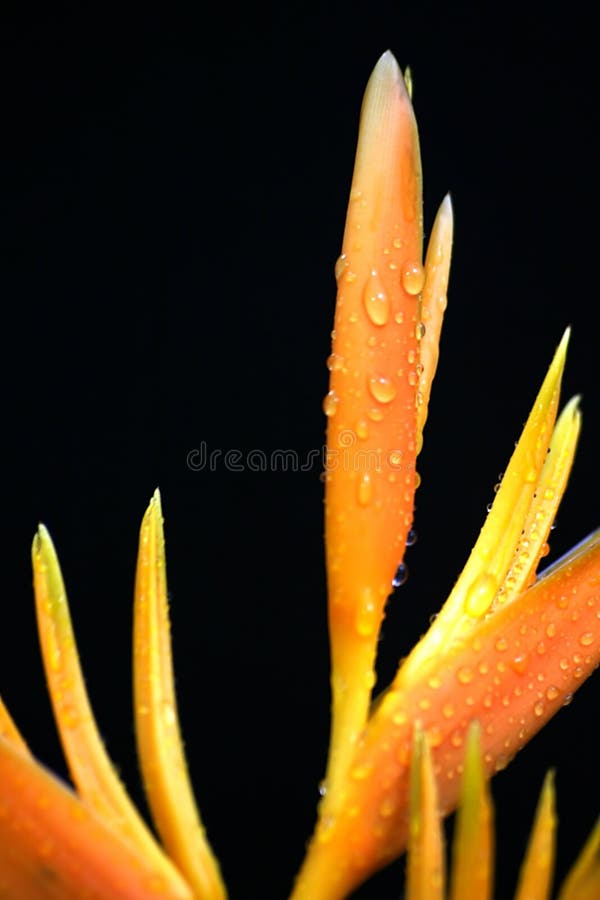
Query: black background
[{"x": 172, "y": 203}]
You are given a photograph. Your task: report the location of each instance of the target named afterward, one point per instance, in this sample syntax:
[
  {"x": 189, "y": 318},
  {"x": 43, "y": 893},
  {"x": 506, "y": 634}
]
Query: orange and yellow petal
[
  {"x": 54, "y": 846},
  {"x": 160, "y": 747},
  {"x": 371, "y": 430}
]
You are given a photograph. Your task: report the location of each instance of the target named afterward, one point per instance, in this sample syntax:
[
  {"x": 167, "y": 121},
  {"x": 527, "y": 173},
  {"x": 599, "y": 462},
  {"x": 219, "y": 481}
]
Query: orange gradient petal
[{"x": 371, "y": 433}]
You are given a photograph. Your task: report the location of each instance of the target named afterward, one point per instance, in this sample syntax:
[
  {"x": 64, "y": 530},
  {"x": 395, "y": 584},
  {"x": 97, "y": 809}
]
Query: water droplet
[
  {"x": 350, "y": 277},
  {"x": 586, "y": 639},
  {"x": 364, "y": 489},
  {"x": 465, "y": 675},
  {"x": 420, "y": 331},
  {"x": 434, "y": 682},
  {"x": 399, "y": 318},
  {"x": 330, "y": 403},
  {"x": 69, "y": 717},
  {"x": 413, "y": 278},
  {"x": 169, "y": 714},
  {"x": 367, "y": 617},
  {"x": 376, "y": 300},
  {"x": 538, "y": 709},
  {"x": 375, "y": 414},
  {"x": 397, "y": 243},
  {"x": 400, "y": 717},
  {"x": 383, "y": 389},
  {"x": 325, "y": 829},
  {"x": 361, "y": 771},
  {"x": 335, "y": 362},
  {"x": 323, "y": 788},
  {"x": 395, "y": 458},
  {"x": 411, "y": 538},
  {"x": 434, "y": 736},
  {"x": 456, "y": 739},
  {"x": 501, "y": 644},
  {"x": 362, "y": 429},
  {"x": 401, "y": 576},
  {"x": 480, "y": 595},
  {"x": 552, "y": 692},
  {"x": 568, "y": 699},
  {"x": 519, "y": 663},
  {"x": 387, "y": 807},
  {"x": 448, "y": 710}
]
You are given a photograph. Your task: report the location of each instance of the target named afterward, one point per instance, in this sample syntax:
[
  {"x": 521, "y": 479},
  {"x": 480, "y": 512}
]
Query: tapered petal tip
[
  {"x": 42, "y": 547},
  {"x": 386, "y": 75},
  {"x": 446, "y": 211}
]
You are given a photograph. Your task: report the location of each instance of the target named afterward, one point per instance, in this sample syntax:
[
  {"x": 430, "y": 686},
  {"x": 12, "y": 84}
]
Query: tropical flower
[{"x": 507, "y": 650}]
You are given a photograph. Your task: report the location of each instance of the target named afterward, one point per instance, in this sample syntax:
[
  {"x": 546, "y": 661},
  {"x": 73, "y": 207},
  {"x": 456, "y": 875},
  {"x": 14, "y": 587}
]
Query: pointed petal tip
[
  {"x": 387, "y": 74},
  {"x": 446, "y": 207},
  {"x": 564, "y": 341},
  {"x": 42, "y": 543}
]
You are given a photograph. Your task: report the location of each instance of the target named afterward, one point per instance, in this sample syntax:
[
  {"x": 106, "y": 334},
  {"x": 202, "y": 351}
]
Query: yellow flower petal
[
  {"x": 97, "y": 782},
  {"x": 490, "y": 560},
  {"x": 160, "y": 748},
  {"x": 433, "y": 306},
  {"x": 472, "y": 856},
  {"x": 535, "y": 878},
  {"x": 425, "y": 866},
  {"x": 583, "y": 881}
]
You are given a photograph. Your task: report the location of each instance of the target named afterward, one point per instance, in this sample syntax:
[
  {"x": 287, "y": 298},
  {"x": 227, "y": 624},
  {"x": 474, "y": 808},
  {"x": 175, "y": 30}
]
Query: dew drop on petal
[
  {"x": 383, "y": 389},
  {"x": 366, "y": 618},
  {"x": 465, "y": 675},
  {"x": 364, "y": 489},
  {"x": 480, "y": 595},
  {"x": 448, "y": 710},
  {"x": 361, "y": 771},
  {"x": 401, "y": 576},
  {"x": 375, "y": 299},
  {"x": 413, "y": 278},
  {"x": 586, "y": 639},
  {"x": 341, "y": 265},
  {"x": 330, "y": 403},
  {"x": 362, "y": 429},
  {"x": 387, "y": 807}
]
